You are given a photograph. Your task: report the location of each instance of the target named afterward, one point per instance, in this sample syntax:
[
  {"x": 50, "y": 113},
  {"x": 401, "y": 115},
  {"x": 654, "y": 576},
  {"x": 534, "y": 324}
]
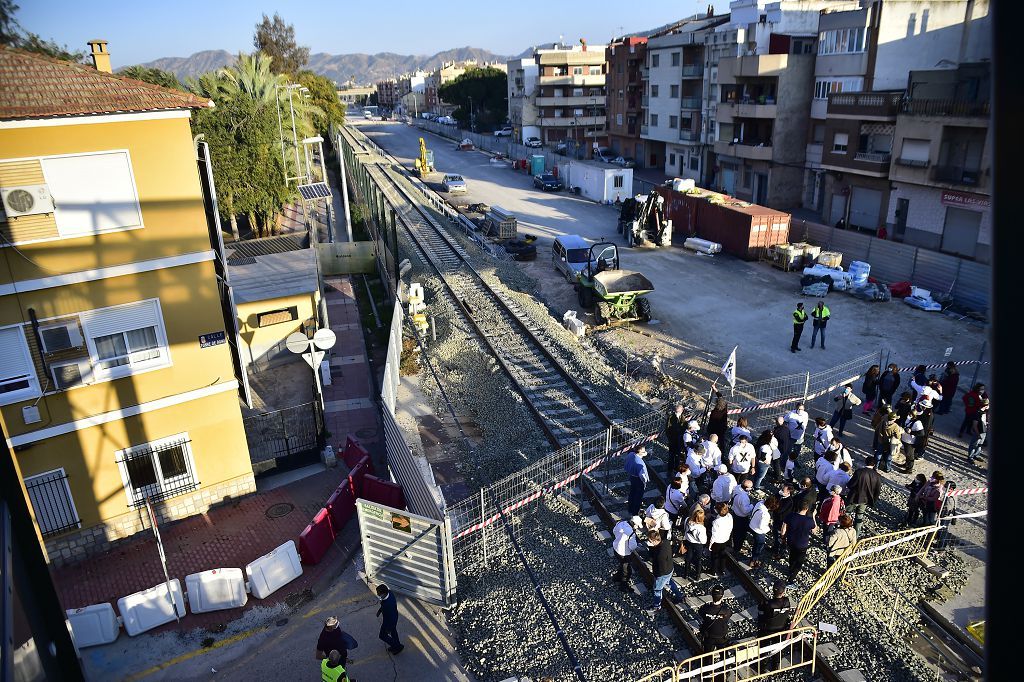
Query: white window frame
[
  {"x": 100, "y": 373},
  {"x": 134, "y": 189},
  {"x": 595, "y": 70},
  {"x": 67, "y": 491},
  {"x": 840, "y": 148},
  {"x": 122, "y": 464},
  {"x": 577, "y": 70},
  {"x": 33, "y": 390}
]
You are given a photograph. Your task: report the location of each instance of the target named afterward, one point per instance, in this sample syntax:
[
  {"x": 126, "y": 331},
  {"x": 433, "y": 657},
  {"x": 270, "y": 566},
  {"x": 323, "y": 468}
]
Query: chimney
[
  {"x": 711, "y": 11},
  {"x": 100, "y": 56}
]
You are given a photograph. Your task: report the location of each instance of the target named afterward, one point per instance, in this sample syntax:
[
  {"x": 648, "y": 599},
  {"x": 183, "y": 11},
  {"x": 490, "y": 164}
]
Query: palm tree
[{"x": 251, "y": 76}]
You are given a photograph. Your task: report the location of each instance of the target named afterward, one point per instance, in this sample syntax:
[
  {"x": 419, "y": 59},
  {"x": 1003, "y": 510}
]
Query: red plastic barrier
[
  {"x": 356, "y": 475},
  {"x": 383, "y": 492},
  {"x": 341, "y": 506},
  {"x": 317, "y": 538},
  {"x": 353, "y": 452}
]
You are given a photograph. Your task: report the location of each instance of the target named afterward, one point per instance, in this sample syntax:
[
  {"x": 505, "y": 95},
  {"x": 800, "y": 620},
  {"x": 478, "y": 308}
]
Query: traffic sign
[
  {"x": 324, "y": 339},
  {"x": 297, "y": 342},
  {"x": 313, "y": 359}
]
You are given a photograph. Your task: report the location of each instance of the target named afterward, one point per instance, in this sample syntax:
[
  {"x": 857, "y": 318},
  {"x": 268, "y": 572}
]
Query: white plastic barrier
[
  {"x": 150, "y": 608},
  {"x": 215, "y": 590},
  {"x": 273, "y": 570},
  {"x": 93, "y": 625}
]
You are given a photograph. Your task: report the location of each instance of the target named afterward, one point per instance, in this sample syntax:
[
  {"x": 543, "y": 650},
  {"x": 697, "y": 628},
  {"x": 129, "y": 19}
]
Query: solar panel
[{"x": 317, "y": 190}]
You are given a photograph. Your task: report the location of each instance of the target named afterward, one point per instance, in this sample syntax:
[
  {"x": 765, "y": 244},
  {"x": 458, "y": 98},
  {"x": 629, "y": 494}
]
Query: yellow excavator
[{"x": 424, "y": 164}]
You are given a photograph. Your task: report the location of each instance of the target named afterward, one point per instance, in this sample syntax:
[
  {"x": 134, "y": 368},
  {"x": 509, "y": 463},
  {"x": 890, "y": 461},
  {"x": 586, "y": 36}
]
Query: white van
[{"x": 569, "y": 255}]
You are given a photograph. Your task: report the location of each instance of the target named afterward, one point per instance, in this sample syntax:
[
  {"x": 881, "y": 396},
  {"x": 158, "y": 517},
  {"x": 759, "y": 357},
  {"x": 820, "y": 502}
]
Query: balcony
[
  {"x": 689, "y": 135},
  {"x": 751, "y": 110},
  {"x": 689, "y": 102},
  {"x": 591, "y": 101},
  {"x": 569, "y": 121},
  {"x": 956, "y": 175},
  {"x": 571, "y": 80},
  {"x": 874, "y": 164},
  {"x": 945, "y": 107},
  {"x": 693, "y": 70},
  {"x": 882, "y": 158},
  {"x": 867, "y": 106},
  {"x": 754, "y": 151}
]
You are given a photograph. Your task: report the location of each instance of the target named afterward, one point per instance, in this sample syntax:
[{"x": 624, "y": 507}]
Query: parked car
[
  {"x": 624, "y": 161},
  {"x": 533, "y": 142},
  {"x": 569, "y": 255},
  {"x": 453, "y": 183},
  {"x": 546, "y": 181},
  {"x": 561, "y": 148},
  {"x": 504, "y": 132}
]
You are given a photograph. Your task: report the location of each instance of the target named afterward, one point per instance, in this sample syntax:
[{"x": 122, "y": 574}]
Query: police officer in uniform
[
  {"x": 773, "y": 617},
  {"x": 799, "y": 318},
  {"x": 714, "y": 621}
]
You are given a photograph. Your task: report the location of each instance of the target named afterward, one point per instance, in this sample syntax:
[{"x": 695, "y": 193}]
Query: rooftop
[
  {"x": 35, "y": 86},
  {"x": 263, "y": 274}
]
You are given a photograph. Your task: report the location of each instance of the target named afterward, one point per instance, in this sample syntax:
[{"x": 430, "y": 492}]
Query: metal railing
[
  {"x": 945, "y": 107},
  {"x": 158, "y": 472},
  {"x": 873, "y": 157},
  {"x": 692, "y": 70},
  {"x": 51, "y": 502}
]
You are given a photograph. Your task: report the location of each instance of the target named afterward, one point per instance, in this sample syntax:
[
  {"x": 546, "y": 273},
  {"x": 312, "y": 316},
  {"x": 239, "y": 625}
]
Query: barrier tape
[
  {"x": 966, "y": 491},
  {"x": 753, "y": 406},
  {"x": 555, "y": 486},
  {"x": 940, "y": 365},
  {"x": 972, "y": 515}
]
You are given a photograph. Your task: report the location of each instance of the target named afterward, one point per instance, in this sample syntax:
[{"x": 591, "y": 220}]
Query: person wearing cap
[
  {"x": 675, "y": 498},
  {"x": 913, "y": 438},
  {"x": 333, "y": 638},
  {"x": 714, "y": 622},
  {"x": 831, "y": 510},
  {"x": 674, "y": 435},
  {"x": 721, "y": 491},
  {"x": 978, "y": 431},
  {"x": 389, "y": 619},
  {"x": 773, "y": 616},
  {"x": 845, "y": 401},
  {"x": 638, "y": 479},
  {"x": 799, "y": 318},
  {"x": 742, "y": 456},
  {"x": 624, "y": 541},
  {"x": 890, "y": 440},
  {"x": 332, "y": 669},
  {"x": 721, "y": 533},
  {"x": 741, "y": 506}
]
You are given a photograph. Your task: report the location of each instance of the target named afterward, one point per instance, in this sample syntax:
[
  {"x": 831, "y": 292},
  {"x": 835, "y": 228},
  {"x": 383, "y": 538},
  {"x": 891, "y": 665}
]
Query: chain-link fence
[{"x": 963, "y": 520}]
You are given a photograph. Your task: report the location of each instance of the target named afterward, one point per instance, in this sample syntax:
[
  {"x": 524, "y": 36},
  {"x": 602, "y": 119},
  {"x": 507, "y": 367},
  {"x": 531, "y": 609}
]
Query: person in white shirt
[
  {"x": 675, "y": 498},
  {"x": 624, "y": 537},
  {"x": 657, "y": 517},
  {"x": 691, "y": 437},
  {"x": 741, "y": 505},
  {"x": 760, "y": 525},
  {"x": 742, "y": 456},
  {"x": 824, "y": 467},
  {"x": 695, "y": 460},
  {"x": 721, "y": 491},
  {"x": 686, "y": 484},
  {"x": 712, "y": 452},
  {"x": 822, "y": 436},
  {"x": 796, "y": 420},
  {"x": 840, "y": 477},
  {"x": 721, "y": 532},
  {"x": 696, "y": 539},
  {"x": 842, "y": 452}
]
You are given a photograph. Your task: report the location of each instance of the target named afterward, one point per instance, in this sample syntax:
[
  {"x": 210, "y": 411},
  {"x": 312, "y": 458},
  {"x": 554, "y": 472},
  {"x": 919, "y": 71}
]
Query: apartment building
[
  {"x": 388, "y": 94},
  {"x": 522, "y": 97},
  {"x": 625, "y": 58},
  {"x": 448, "y": 71},
  {"x": 861, "y": 86},
  {"x": 674, "y": 97},
  {"x": 117, "y": 383},
  {"x": 571, "y": 96},
  {"x": 764, "y": 97}
]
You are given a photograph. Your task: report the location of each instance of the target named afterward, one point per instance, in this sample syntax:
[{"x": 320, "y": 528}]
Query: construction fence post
[
  {"x": 981, "y": 356},
  {"x": 607, "y": 457},
  {"x": 483, "y": 528}
]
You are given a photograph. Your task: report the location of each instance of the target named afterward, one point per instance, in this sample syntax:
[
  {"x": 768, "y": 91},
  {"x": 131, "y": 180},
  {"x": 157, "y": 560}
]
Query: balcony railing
[
  {"x": 873, "y": 157},
  {"x": 882, "y": 104},
  {"x": 689, "y": 135},
  {"x": 689, "y": 103},
  {"x": 956, "y": 175},
  {"x": 693, "y": 70},
  {"x": 944, "y": 107}
]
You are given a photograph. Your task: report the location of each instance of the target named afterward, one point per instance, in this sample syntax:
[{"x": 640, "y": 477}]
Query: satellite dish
[
  {"x": 297, "y": 343},
  {"x": 324, "y": 339}
]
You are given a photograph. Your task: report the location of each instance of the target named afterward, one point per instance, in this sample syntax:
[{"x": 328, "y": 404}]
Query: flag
[{"x": 729, "y": 369}]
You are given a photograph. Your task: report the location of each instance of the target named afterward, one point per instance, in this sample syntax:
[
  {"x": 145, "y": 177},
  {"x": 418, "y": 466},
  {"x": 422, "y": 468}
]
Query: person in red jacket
[{"x": 971, "y": 403}]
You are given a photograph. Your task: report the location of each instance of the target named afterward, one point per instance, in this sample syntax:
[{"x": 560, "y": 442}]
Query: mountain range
[{"x": 359, "y": 68}]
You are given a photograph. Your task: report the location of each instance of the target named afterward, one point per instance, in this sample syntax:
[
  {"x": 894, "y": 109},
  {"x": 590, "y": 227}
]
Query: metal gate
[
  {"x": 285, "y": 432},
  {"x": 411, "y": 554}
]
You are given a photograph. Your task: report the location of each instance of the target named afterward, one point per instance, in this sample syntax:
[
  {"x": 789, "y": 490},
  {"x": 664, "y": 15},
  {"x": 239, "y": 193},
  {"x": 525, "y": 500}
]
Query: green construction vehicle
[{"x": 615, "y": 295}]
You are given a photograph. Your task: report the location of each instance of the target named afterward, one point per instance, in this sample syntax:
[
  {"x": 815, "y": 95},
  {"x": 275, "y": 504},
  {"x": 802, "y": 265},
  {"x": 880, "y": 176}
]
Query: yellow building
[{"x": 117, "y": 376}]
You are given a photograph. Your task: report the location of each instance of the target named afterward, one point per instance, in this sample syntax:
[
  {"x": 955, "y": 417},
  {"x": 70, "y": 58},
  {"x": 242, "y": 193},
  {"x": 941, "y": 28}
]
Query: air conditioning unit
[
  {"x": 71, "y": 374},
  {"x": 26, "y": 200},
  {"x": 61, "y": 337}
]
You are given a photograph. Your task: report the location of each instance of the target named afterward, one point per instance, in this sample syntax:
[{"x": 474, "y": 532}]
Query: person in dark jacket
[
  {"x": 714, "y": 621},
  {"x": 786, "y": 504},
  {"x": 389, "y": 619},
  {"x": 870, "y": 388},
  {"x": 862, "y": 491},
  {"x": 799, "y": 318},
  {"x": 773, "y": 617},
  {"x": 904, "y": 405},
  {"x": 808, "y": 493},
  {"x": 662, "y": 552},
  {"x": 785, "y": 440},
  {"x": 888, "y": 383},
  {"x": 913, "y": 508},
  {"x": 718, "y": 420},
  {"x": 972, "y": 400},
  {"x": 674, "y": 429}
]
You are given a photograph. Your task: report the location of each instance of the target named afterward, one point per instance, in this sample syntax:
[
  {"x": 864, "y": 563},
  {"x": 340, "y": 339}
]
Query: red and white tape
[
  {"x": 940, "y": 365},
  {"x": 966, "y": 491}
]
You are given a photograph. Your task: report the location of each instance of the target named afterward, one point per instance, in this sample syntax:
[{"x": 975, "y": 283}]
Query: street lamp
[{"x": 280, "y": 127}]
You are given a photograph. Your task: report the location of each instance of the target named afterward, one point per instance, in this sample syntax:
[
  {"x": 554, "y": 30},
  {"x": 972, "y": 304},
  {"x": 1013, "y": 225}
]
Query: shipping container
[{"x": 743, "y": 229}]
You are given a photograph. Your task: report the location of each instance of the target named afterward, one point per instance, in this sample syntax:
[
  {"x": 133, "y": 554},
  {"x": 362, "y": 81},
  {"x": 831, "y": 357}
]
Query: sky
[{"x": 144, "y": 30}]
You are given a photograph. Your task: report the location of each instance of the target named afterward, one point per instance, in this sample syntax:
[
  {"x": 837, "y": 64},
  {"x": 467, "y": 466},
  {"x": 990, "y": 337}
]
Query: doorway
[
  {"x": 960, "y": 233},
  {"x": 902, "y": 207},
  {"x": 761, "y": 188}
]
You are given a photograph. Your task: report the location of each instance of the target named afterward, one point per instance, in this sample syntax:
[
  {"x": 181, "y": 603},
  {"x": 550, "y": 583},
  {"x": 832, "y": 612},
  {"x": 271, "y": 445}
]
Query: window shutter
[
  {"x": 121, "y": 318},
  {"x": 14, "y": 358}
]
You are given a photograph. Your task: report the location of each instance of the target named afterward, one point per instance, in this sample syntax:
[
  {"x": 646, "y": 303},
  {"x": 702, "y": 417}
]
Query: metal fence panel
[
  {"x": 935, "y": 271},
  {"x": 410, "y": 553},
  {"x": 973, "y": 286},
  {"x": 852, "y": 245},
  {"x": 285, "y": 432},
  {"x": 412, "y": 472},
  {"x": 891, "y": 261}
]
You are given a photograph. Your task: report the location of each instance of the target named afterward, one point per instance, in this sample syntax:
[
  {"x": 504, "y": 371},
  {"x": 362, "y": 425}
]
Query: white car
[
  {"x": 533, "y": 142},
  {"x": 504, "y": 132},
  {"x": 453, "y": 183}
]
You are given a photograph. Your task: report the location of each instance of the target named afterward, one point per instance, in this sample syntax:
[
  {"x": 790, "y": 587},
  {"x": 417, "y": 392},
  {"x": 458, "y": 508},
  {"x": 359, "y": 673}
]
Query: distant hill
[{"x": 362, "y": 68}]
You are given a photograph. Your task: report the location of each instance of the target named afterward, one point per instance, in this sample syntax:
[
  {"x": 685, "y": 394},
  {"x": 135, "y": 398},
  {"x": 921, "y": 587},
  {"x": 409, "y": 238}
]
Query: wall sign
[
  {"x": 964, "y": 200},
  {"x": 211, "y": 339}
]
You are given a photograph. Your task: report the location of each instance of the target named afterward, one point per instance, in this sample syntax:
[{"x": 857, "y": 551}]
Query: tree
[
  {"x": 277, "y": 39},
  {"x": 324, "y": 96},
  {"x": 14, "y": 35},
  {"x": 486, "y": 89},
  {"x": 159, "y": 77}
]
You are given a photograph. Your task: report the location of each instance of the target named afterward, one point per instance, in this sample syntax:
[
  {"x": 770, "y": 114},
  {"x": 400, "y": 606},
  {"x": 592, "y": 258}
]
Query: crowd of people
[{"x": 718, "y": 501}]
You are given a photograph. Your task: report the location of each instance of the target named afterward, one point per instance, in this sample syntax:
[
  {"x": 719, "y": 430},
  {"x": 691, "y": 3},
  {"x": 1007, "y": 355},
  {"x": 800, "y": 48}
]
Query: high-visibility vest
[{"x": 328, "y": 674}]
